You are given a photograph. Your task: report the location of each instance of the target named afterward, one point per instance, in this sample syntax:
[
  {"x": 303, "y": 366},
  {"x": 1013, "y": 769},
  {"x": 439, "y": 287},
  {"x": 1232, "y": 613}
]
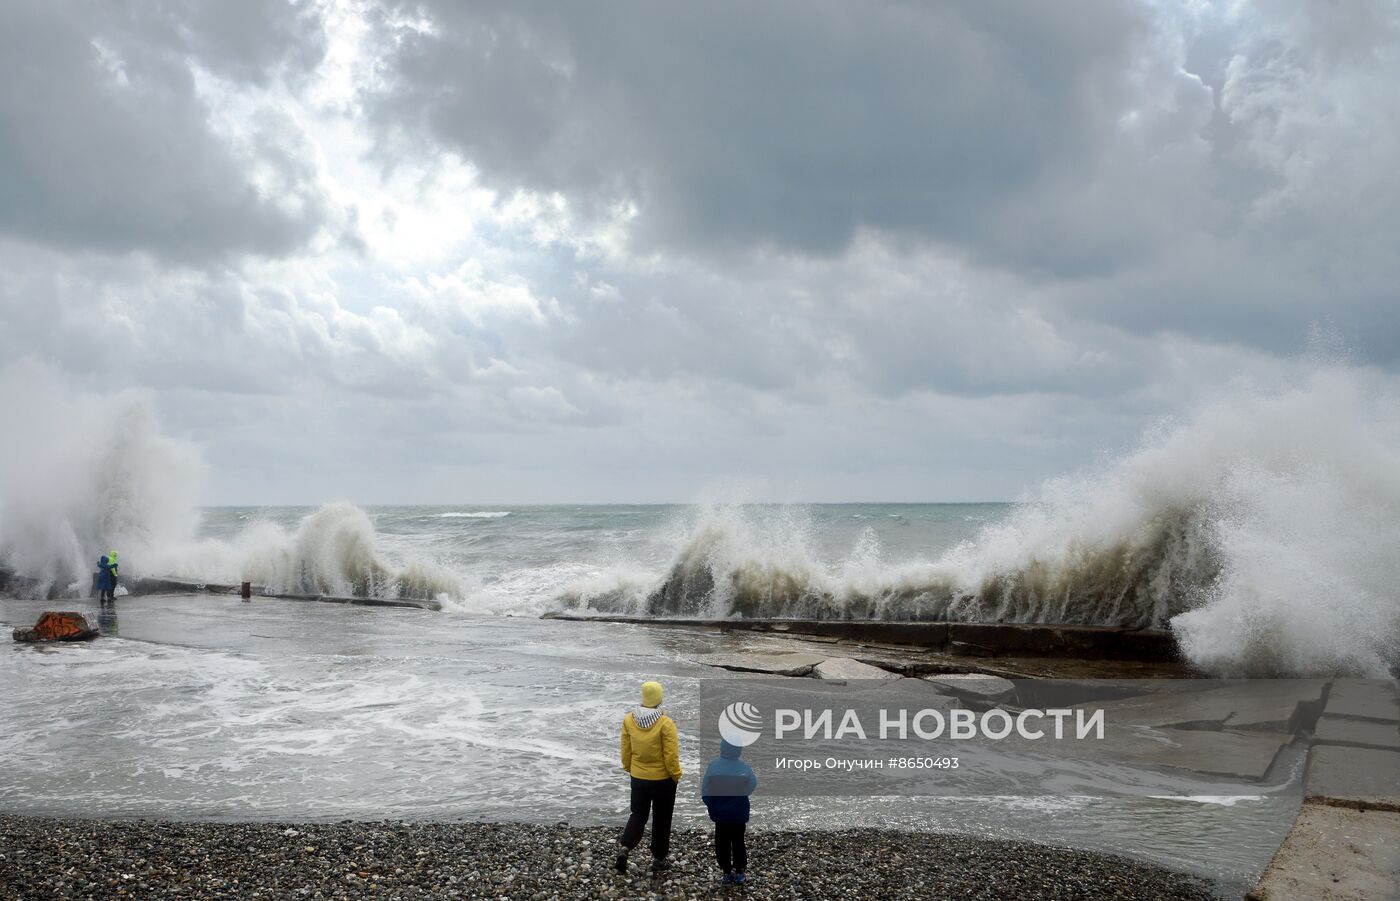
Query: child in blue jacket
[{"x": 725, "y": 790}]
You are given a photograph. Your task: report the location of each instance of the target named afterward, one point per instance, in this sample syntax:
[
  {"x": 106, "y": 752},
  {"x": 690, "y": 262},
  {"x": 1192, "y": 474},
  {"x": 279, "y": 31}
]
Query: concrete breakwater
[
  {"x": 175, "y": 586},
  {"x": 19, "y": 586},
  {"x": 960, "y": 639}
]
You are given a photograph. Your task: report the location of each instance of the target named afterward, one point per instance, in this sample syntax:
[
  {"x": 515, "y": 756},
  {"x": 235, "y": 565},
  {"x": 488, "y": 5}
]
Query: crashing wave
[
  {"x": 1260, "y": 531},
  {"x": 81, "y": 474},
  {"x": 332, "y": 552},
  {"x": 89, "y": 473},
  {"x": 723, "y": 570}
]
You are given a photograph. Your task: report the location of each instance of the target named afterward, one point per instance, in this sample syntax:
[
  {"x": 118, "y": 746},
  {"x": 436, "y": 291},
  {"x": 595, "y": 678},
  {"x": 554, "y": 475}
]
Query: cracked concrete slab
[
  {"x": 773, "y": 663},
  {"x": 1233, "y": 755},
  {"x": 1338, "y": 730},
  {"x": 1369, "y": 699},
  {"x": 1354, "y": 777},
  {"x": 1272, "y": 705},
  {"x": 1230, "y": 754},
  {"x": 846, "y": 668},
  {"x": 975, "y": 686}
]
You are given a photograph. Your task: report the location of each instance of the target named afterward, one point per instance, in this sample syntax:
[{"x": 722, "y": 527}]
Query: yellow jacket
[{"x": 650, "y": 747}]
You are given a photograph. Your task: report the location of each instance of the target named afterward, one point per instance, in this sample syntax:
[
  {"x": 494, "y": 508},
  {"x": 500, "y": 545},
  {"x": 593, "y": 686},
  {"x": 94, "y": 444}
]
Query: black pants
[
  {"x": 656, "y": 797},
  {"x": 729, "y": 847}
]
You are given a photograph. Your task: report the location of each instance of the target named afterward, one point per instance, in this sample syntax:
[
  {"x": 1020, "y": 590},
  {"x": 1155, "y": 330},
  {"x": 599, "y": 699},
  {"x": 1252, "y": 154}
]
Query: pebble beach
[{"x": 47, "y": 858}]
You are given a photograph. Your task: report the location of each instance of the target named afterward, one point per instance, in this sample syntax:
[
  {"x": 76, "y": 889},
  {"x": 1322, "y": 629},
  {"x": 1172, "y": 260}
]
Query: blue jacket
[
  {"x": 727, "y": 785},
  {"x": 106, "y": 575}
]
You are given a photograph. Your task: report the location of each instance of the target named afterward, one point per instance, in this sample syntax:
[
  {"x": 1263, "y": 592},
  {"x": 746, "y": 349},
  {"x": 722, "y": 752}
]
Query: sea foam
[
  {"x": 1260, "y": 529},
  {"x": 83, "y": 473}
]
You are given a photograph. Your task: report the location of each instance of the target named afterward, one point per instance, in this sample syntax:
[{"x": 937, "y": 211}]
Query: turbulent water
[
  {"x": 1260, "y": 529},
  {"x": 222, "y": 709}
]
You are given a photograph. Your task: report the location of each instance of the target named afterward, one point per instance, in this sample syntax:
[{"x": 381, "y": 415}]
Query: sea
[
  {"x": 213, "y": 708},
  {"x": 1258, "y": 529},
  {"x": 527, "y": 560}
]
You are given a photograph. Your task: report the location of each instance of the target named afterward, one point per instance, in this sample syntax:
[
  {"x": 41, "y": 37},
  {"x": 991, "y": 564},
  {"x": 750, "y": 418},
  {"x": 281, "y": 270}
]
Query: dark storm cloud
[
  {"x": 873, "y": 249},
  {"x": 1304, "y": 220},
  {"x": 105, "y": 143},
  {"x": 1223, "y": 172},
  {"x": 790, "y": 123},
  {"x": 251, "y": 40}
]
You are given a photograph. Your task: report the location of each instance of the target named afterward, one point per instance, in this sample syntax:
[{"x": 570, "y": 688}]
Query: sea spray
[
  {"x": 1261, "y": 529},
  {"x": 331, "y": 551},
  {"x": 1308, "y": 534},
  {"x": 82, "y": 473},
  {"x": 750, "y": 561}
]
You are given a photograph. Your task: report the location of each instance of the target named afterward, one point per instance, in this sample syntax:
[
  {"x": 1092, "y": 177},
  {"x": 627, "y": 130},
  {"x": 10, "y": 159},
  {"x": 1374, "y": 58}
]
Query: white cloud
[{"x": 834, "y": 261}]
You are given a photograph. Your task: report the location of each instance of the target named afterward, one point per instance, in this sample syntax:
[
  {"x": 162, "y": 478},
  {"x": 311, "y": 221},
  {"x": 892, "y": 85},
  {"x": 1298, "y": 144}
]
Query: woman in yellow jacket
[{"x": 651, "y": 753}]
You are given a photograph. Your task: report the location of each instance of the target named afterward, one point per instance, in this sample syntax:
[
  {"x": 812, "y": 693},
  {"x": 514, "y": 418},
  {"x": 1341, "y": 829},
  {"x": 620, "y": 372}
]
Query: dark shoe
[
  {"x": 739, "y": 878},
  {"x": 621, "y": 864},
  {"x": 658, "y": 867},
  {"x": 727, "y": 878}
]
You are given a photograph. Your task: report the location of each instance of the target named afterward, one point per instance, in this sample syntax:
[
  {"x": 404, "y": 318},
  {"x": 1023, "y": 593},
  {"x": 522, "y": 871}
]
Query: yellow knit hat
[{"x": 651, "y": 694}]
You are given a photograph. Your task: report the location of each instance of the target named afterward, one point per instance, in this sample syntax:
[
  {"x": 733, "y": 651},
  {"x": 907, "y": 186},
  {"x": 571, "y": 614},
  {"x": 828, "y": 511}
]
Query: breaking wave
[
  {"x": 87, "y": 473},
  {"x": 81, "y": 474},
  {"x": 1261, "y": 530},
  {"x": 331, "y": 551}
]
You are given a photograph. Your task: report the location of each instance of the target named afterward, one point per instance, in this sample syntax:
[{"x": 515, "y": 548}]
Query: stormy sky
[{"x": 638, "y": 251}]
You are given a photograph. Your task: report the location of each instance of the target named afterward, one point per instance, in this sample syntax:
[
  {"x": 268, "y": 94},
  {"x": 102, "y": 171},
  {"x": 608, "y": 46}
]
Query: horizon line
[{"x": 503, "y": 504}]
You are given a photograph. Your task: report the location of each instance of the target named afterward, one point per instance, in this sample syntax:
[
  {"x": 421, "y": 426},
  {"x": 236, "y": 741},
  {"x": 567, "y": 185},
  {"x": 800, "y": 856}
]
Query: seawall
[
  {"x": 961, "y": 639},
  {"x": 176, "y": 586},
  {"x": 11, "y": 583}
]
